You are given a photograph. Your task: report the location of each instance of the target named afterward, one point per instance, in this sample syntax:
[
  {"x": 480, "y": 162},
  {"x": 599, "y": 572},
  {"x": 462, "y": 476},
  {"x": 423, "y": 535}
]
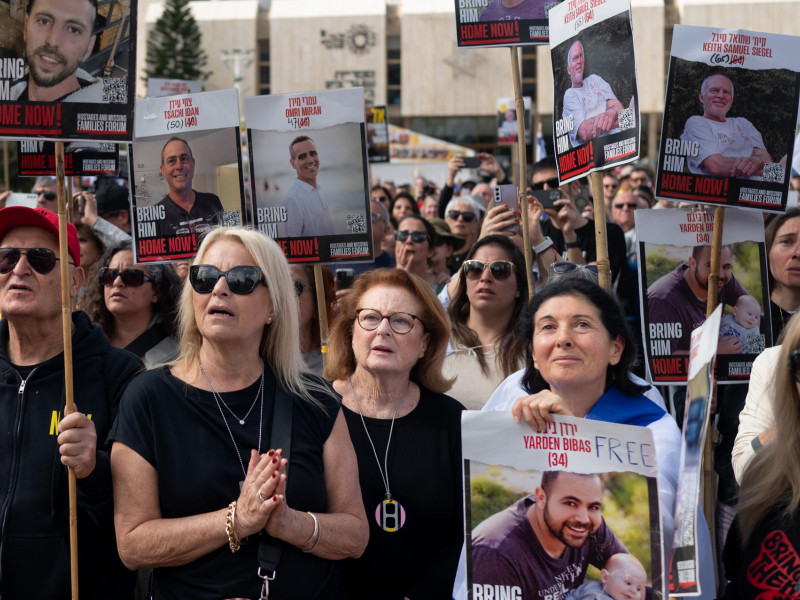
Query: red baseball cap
[{"x": 22, "y": 216}]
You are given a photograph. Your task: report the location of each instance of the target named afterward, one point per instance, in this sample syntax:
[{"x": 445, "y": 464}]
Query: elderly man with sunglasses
[{"x": 40, "y": 441}]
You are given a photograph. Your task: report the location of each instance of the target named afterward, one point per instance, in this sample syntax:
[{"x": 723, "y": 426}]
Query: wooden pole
[
  {"x": 522, "y": 195},
  {"x": 600, "y": 237},
  {"x": 66, "y": 323},
  {"x": 322, "y": 309},
  {"x": 6, "y": 180},
  {"x": 711, "y": 303}
]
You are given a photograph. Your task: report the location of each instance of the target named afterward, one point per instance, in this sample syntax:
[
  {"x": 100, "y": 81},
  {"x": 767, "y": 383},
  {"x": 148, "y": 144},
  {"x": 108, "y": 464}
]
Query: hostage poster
[
  {"x": 38, "y": 157},
  {"x": 674, "y": 268},
  {"x": 309, "y": 173},
  {"x": 377, "y": 134},
  {"x": 81, "y": 90},
  {"x": 585, "y": 489},
  {"x": 488, "y": 23},
  {"x": 729, "y": 118},
  {"x": 596, "y": 110},
  {"x": 507, "y": 121},
  {"x": 684, "y": 575},
  {"x": 185, "y": 172}
]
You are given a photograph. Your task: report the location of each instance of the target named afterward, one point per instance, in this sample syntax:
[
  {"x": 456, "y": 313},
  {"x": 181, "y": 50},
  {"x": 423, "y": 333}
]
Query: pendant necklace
[
  {"x": 220, "y": 402},
  {"x": 389, "y": 514}
]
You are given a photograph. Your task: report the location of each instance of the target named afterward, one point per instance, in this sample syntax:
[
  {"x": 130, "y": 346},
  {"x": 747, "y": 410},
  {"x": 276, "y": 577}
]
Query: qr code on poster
[
  {"x": 627, "y": 119},
  {"x": 356, "y": 224},
  {"x": 115, "y": 90},
  {"x": 773, "y": 172},
  {"x": 231, "y": 218}
]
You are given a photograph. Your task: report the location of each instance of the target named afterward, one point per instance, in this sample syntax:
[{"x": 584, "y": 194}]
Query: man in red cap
[{"x": 38, "y": 441}]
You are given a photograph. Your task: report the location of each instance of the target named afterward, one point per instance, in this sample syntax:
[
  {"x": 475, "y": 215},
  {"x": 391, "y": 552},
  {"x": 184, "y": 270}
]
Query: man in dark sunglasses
[
  {"x": 183, "y": 211},
  {"x": 45, "y": 190},
  {"x": 463, "y": 216},
  {"x": 38, "y": 434}
]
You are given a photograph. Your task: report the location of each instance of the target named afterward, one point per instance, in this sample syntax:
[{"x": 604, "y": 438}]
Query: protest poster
[
  {"x": 186, "y": 172},
  {"x": 674, "y": 247},
  {"x": 507, "y": 128},
  {"x": 377, "y": 134},
  {"x": 157, "y": 87},
  {"x": 684, "y": 576},
  {"x": 489, "y": 23},
  {"x": 729, "y": 118},
  {"x": 38, "y": 157},
  {"x": 515, "y": 482},
  {"x": 596, "y": 121},
  {"x": 309, "y": 173},
  {"x": 83, "y": 90}
]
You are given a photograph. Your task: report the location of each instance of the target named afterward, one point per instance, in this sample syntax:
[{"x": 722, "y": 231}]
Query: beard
[
  {"x": 560, "y": 531},
  {"x": 59, "y": 72}
]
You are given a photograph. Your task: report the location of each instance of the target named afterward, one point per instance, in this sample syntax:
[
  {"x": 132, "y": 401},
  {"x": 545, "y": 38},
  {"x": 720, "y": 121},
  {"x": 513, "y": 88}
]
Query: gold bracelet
[
  {"x": 314, "y": 534},
  {"x": 230, "y": 520}
]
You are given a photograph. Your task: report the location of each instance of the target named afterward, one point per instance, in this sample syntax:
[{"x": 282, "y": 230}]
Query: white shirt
[
  {"x": 586, "y": 102},
  {"x": 307, "y": 214},
  {"x": 736, "y": 137}
]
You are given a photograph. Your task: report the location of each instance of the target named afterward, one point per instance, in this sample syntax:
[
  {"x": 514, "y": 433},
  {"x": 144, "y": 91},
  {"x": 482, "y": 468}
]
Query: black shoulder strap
[
  {"x": 147, "y": 340},
  {"x": 269, "y": 549}
]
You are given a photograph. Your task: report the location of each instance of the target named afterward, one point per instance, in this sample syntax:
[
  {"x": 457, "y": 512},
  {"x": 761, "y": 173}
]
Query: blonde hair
[
  {"x": 280, "y": 339},
  {"x": 427, "y": 372},
  {"x": 772, "y": 479}
]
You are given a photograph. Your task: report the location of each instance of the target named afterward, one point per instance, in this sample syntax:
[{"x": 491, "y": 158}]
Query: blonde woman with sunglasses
[{"x": 489, "y": 296}]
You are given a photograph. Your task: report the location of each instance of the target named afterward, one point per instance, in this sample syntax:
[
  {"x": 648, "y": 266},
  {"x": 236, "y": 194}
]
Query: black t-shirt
[
  {"x": 206, "y": 207},
  {"x": 178, "y": 429},
  {"x": 418, "y": 560}
]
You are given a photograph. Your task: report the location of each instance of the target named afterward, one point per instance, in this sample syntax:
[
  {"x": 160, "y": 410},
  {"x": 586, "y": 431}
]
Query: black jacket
[{"x": 34, "y": 506}]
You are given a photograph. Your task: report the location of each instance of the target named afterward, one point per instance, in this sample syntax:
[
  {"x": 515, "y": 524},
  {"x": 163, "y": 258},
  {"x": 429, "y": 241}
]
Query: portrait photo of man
[
  {"x": 59, "y": 36},
  {"x": 727, "y": 146},
  {"x": 510, "y": 10},
  {"x": 186, "y": 210},
  {"x": 307, "y": 213}
]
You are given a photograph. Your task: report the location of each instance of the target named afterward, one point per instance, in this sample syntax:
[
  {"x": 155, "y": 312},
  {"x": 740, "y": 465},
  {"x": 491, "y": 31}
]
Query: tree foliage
[{"x": 174, "y": 46}]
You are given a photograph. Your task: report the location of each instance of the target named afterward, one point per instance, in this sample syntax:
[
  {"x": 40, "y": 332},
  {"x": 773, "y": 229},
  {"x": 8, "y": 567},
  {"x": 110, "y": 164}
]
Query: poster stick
[
  {"x": 522, "y": 192},
  {"x": 600, "y": 237},
  {"x": 66, "y": 323},
  {"x": 322, "y": 310},
  {"x": 711, "y": 304}
]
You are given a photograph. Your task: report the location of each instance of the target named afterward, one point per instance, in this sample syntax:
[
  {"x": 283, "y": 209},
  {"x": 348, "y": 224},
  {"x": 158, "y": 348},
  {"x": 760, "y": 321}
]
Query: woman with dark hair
[
  {"x": 386, "y": 354},
  {"x": 308, "y": 312},
  {"x": 415, "y": 240},
  {"x": 135, "y": 305},
  {"x": 580, "y": 355},
  {"x": 782, "y": 238},
  {"x": 402, "y": 205},
  {"x": 488, "y": 299}
]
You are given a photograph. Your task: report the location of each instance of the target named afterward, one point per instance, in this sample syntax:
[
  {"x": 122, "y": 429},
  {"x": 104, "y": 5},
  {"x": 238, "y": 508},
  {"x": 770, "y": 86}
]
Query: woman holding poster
[
  {"x": 386, "y": 353},
  {"x": 198, "y": 467}
]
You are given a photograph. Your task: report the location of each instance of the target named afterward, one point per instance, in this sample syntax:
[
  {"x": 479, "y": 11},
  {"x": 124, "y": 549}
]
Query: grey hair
[{"x": 704, "y": 86}]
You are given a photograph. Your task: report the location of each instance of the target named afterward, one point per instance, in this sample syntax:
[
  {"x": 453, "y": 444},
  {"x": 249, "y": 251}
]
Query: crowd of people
[{"x": 211, "y": 411}]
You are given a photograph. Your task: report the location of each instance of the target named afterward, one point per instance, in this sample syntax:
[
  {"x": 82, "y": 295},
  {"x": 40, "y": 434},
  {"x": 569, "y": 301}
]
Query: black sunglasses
[
  {"x": 628, "y": 205},
  {"x": 300, "y": 287},
  {"x": 468, "y": 217},
  {"x": 500, "y": 269},
  {"x": 565, "y": 267},
  {"x": 552, "y": 183},
  {"x": 416, "y": 236},
  {"x": 241, "y": 279},
  {"x": 41, "y": 260},
  {"x": 794, "y": 365},
  {"x": 50, "y": 196},
  {"x": 130, "y": 277}
]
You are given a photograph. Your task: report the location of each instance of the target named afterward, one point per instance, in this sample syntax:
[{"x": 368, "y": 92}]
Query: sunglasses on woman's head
[
  {"x": 41, "y": 260},
  {"x": 416, "y": 236},
  {"x": 130, "y": 277},
  {"x": 566, "y": 267},
  {"x": 241, "y": 279},
  {"x": 500, "y": 269},
  {"x": 468, "y": 217},
  {"x": 794, "y": 365}
]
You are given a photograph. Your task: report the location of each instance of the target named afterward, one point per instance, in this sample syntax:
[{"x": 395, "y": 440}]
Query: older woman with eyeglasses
[
  {"x": 488, "y": 299},
  {"x": 200, "y": 451},
  {"x": 386, "y": 353},
  {"x": 135, "y": 305}
]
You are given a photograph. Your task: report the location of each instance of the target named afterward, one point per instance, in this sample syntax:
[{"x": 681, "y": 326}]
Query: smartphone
[
  {"x": 344, "y": 278},
  {"x": 547, "y": 198},
  {"x": 17, "y": 199},
  {"x": 471, "y": 162},
  {"x": 507, "y": 194},
  {"x": 582, "y": 199}
]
